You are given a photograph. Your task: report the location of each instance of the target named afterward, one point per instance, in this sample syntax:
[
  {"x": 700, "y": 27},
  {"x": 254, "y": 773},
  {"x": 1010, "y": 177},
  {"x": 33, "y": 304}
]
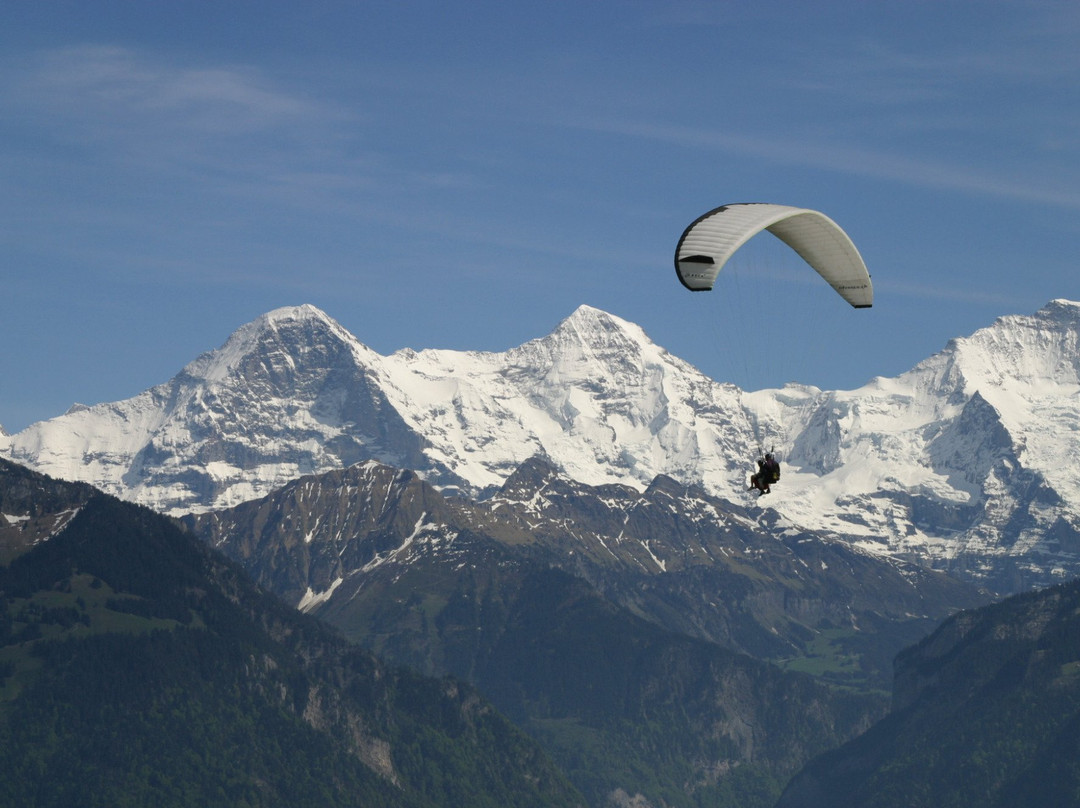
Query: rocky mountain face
[
  {"x": 137, "y": 666},
  {"x": 350, "y": 545},
  {"x": 961, "y": 464},
  {"x": 986, "y": 711},
  {"x": 34, "y": 508}
]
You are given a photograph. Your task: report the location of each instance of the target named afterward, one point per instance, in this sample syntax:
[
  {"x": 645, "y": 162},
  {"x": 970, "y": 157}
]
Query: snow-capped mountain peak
[
  {"x": 596, "y": 329},
  {"x": 1034, "y": 352},
  {"x": 969, "y": 453},
  {"x": 588, "y": 341},
  {"x": 1028, "y": 369},
  {"x": 282, "y": 397},
  {"x": 285, "y": 333}
]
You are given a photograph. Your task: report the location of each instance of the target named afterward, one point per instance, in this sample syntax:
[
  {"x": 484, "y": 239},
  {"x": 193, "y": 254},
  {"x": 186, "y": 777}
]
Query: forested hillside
[
  {"x": 986, "y": 712},
  {"x": 139, "y": 667}
]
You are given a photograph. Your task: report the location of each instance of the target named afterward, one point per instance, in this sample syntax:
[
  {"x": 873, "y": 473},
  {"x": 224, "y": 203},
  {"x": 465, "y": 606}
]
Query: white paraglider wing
[{"x": 709, "y": 242}]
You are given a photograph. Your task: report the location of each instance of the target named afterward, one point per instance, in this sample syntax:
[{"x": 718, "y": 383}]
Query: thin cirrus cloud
[
  {"x": 227, "y": 128},
  {"x": 108, "y": 106},
  {"x": 212, "y": 133},
  {"x": 856, "y": 161},
  {"x": 100, "y": 84}
]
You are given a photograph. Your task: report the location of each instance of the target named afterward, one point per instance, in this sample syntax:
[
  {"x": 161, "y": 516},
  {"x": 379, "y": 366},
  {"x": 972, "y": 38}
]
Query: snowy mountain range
[{"x": 962, "y": 463}]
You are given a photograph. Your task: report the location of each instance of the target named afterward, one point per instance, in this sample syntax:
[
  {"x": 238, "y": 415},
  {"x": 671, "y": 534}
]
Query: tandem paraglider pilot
[{"x": 768, "y": 473}]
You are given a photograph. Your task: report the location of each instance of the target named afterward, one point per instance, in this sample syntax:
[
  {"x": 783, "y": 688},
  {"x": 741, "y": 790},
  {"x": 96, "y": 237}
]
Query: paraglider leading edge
[{"x": 712, "y": 238}]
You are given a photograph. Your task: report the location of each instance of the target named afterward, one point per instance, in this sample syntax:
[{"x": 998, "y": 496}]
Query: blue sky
[{"x": 465, "y": 174}]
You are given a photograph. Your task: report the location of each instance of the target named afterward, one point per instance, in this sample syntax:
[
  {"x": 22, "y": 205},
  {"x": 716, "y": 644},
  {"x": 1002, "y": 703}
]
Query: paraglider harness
[
  {"x": 772, "y": 469},
  {"x": 768, "y": 473}
]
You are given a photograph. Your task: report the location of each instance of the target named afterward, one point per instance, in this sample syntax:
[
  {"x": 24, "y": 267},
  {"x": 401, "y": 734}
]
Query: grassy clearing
[
  {"x": 827, "y": 658},
  {"x": 84, "y": 606}
]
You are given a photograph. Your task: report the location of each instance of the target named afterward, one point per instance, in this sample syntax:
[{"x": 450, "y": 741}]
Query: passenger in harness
[{"x": 767, "y": 474}]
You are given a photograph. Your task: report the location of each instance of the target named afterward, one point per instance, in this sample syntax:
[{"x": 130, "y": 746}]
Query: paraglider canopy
[{"x": 711, "y": 240}]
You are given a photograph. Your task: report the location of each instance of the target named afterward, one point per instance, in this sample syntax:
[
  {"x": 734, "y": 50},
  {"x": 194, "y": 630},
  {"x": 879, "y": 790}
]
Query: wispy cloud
[
  {"x": 205, "y": 129},
  {"x": 974, "y": 98},
  {"x": 103, "y": 85},
  {"x": 212, "y": 166},
  {"x": 980, "y": 297},
  {"x": 844, "y": 158},
  {"x": 140, "y": 120}
]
